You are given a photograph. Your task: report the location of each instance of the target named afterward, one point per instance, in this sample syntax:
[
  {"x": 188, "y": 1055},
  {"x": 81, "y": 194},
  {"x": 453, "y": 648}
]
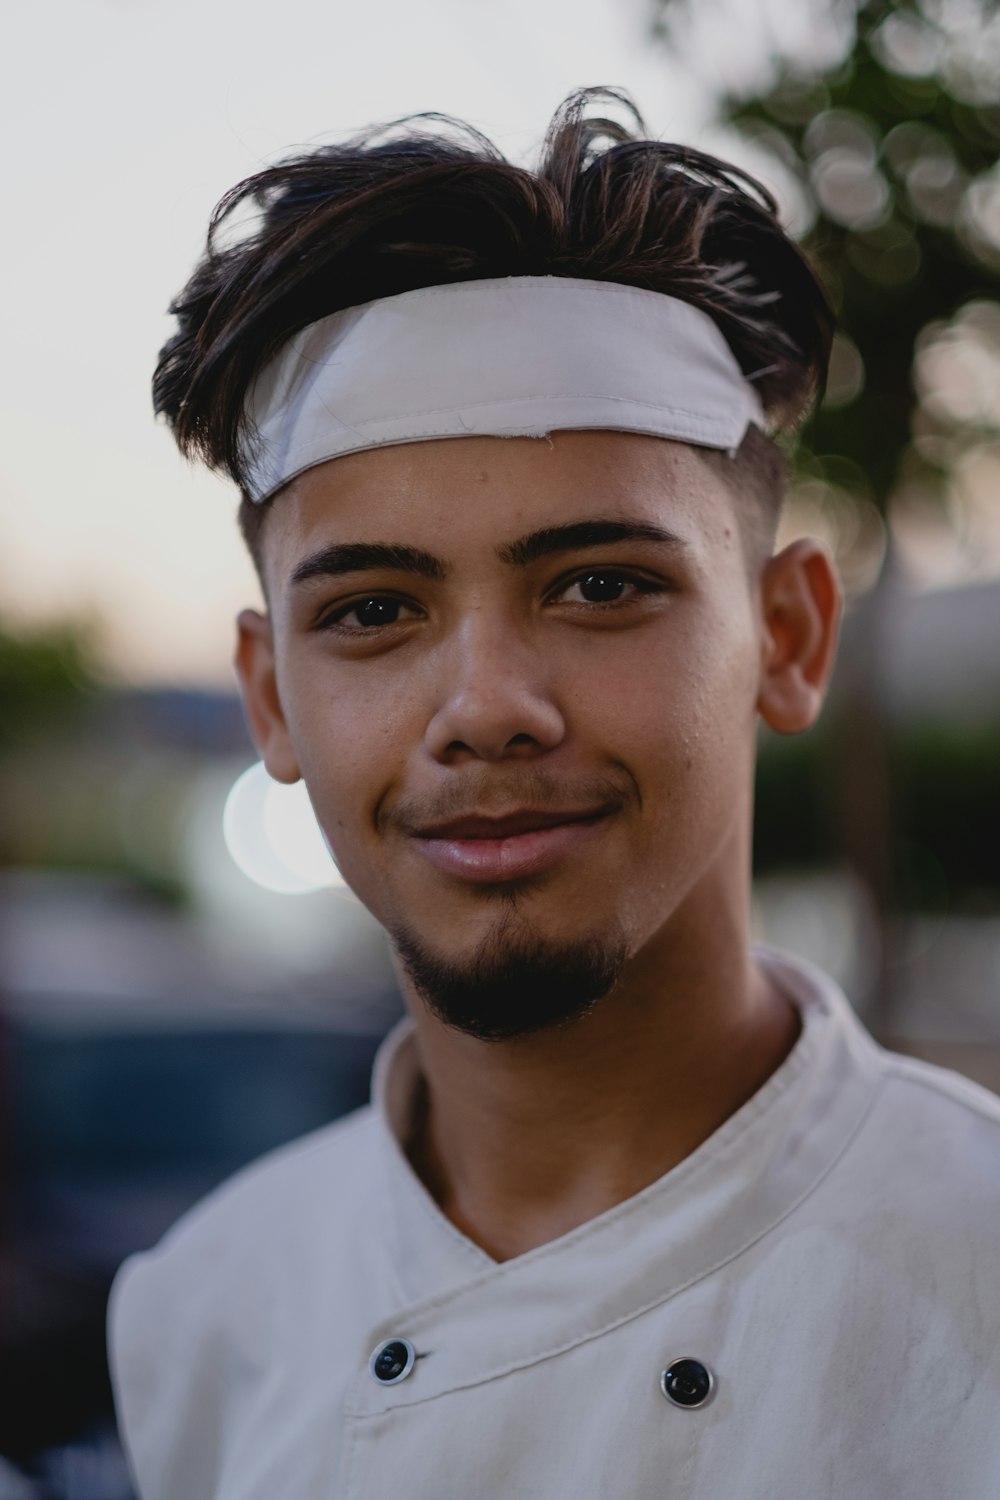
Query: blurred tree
[
  {"x": 887, "y": 156},
  {"x": 45, "y": 673},
  {"x": 893, "y": 156}
]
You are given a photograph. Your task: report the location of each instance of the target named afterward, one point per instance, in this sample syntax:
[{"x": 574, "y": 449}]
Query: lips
[
  {"x": 509, "y": 825},
  {"x": 529, "y": 842}
]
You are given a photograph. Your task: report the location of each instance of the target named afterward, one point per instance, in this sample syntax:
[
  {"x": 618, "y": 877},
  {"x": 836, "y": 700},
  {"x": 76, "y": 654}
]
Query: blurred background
[{"x": 182, "y": 983}]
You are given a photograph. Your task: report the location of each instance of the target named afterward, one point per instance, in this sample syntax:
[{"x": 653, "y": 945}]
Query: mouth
[
  {"x": 509, "y": 825},
  {"x": 486, "y": 849}
]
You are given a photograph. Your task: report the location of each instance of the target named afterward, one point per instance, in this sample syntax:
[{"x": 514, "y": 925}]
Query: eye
[
  {"x": 605, "y": 586},
  {"x": 601, "y": 588},
  {"x": 372, "y": 613}
]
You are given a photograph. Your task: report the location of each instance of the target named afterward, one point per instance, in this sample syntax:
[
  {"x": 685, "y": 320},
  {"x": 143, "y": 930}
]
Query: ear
[
  {"x": 801, "y": 606},
  {"x": 255, "y": 668}
]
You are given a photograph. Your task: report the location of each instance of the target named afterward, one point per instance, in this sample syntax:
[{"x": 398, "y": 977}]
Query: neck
[{"x": 522, "y": 1141}]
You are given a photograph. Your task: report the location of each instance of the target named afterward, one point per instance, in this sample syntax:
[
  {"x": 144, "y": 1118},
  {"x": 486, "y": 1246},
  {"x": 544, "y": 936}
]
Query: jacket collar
[{"x": 480, "y": 1319}]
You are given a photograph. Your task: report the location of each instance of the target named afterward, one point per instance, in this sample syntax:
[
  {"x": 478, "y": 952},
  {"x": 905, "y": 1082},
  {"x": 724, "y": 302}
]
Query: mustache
[{"x": 491, "y": 792}]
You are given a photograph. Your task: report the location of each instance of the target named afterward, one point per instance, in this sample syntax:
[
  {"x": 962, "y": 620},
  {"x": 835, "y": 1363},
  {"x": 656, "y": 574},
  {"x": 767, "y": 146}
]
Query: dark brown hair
[{"x": 427, "y": 201}]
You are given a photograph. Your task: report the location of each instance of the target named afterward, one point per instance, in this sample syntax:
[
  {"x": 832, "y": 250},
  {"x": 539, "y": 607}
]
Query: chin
[{"x": 514, "y": 983}]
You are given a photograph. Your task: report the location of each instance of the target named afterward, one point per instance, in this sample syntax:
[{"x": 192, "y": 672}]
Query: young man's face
[{"x": 520, "y": 679}]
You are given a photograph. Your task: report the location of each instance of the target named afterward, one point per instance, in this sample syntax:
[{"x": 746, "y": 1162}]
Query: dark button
[
  {"x": 687, "y": 1382},
  {"x": 392, "y": 1361}
]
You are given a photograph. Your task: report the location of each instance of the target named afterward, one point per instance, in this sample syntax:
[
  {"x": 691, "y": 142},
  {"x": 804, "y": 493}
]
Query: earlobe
[
  {"x": 255, "y": 668},
  {"x": 801, "y": 606}
]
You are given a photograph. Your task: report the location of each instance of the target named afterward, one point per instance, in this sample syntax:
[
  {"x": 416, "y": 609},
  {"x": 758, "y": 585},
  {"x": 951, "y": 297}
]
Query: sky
[{"x": 125, "y": 121}]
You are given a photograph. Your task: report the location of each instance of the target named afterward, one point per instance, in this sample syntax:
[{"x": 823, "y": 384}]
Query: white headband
[{"x": 517, "y": 356}]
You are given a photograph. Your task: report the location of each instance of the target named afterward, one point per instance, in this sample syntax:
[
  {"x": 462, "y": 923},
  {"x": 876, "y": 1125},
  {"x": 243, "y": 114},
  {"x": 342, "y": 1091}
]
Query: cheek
[
  {"x": 693, "y": 685},
  {"x": 351, "y": 739},
  {"x": 683, "y": 722}
]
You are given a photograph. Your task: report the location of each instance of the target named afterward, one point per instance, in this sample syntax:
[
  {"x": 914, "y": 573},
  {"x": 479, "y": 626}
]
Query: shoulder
[
  {"x": 284, "y": 1179},
  {"x": 914, "y": 1102},
  {"x": 237, "y": 1289},
  {"x": 926, "y": 1164},
  {"x": 229, "y": 1289},
  {"x": 262, "y": 1225},
  {"x": 927, "y": 1147},
  {"x": 941, "y": 1109},
  {"x": 278, "y": 1188},
  {"x": 941, "y": 1091}
]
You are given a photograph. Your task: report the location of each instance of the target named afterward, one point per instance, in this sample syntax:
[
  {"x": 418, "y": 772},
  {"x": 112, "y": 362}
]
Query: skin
[{"x": 503, "y": 685}]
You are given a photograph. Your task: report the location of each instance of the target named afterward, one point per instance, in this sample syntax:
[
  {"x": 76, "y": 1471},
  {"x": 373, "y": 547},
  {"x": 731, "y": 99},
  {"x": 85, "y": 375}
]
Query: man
[{"x": 636, "y": 1210}]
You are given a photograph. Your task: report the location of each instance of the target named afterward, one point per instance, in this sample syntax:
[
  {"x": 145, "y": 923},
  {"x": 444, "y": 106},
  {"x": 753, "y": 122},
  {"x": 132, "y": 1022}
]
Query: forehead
[{"x": 459, "y": 496}]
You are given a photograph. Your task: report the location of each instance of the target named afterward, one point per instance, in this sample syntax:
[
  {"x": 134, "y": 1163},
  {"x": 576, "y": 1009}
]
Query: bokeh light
[
  {"x": 909, "y": 45},
  {"x": 846, "y": 374},
  {"x": 272, "y": 834},
  {"x": 835, "y": 510},
  {"x": 957, "y": 367}
]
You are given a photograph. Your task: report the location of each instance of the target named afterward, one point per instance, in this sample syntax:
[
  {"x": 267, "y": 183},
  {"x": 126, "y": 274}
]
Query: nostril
[{"x": 493, "y": 725}]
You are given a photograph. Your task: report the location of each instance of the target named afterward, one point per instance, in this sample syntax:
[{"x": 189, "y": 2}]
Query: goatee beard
[{"x": 514, "y": 984}]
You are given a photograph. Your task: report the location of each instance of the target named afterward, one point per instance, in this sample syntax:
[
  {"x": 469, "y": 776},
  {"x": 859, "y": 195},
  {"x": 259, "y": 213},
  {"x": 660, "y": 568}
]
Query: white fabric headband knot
[{"x": 517, "y": 356}]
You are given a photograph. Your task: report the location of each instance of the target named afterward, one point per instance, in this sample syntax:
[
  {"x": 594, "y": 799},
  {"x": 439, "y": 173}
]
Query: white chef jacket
[{"x": 831, "y": 1254}]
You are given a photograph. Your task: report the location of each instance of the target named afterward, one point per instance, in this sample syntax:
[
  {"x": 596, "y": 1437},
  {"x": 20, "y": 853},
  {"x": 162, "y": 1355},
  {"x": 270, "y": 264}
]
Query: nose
[{"x": 494, "y": 698}]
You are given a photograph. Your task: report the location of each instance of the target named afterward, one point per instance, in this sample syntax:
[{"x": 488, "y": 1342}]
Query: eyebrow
[
  {"x": 578, "y": 534},
  {"x": 359, "y": 557}
]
